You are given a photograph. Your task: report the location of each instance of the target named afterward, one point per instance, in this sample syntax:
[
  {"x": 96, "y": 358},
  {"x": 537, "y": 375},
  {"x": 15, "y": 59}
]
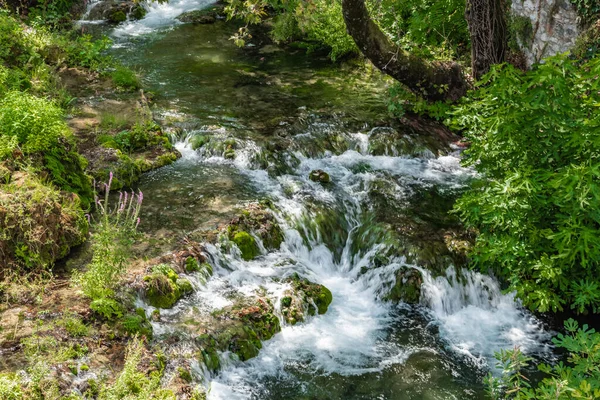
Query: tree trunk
[
  {"x": 487, "y": 27},
  {"x": 432, "y": 80}
]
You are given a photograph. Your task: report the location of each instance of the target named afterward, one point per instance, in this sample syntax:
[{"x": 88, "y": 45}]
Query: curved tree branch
[{"x": 432, "y": 80}]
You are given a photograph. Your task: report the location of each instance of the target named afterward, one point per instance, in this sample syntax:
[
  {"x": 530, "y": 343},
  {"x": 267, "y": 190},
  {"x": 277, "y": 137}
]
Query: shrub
[
  {"x": 38, "y": 224},
  {"x": 36, "y": 122},
  {"x": 534, "y": 138}
]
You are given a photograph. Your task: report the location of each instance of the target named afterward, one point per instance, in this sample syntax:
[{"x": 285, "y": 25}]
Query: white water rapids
[
  {"x": 474, "y": 318},
  {"x": 466, "y": 311}
]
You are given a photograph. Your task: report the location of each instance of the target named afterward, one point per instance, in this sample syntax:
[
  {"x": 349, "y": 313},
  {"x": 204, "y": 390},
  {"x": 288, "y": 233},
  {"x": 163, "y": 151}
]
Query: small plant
[
  {"x": 125, "y": 78},
  {"x": 134, "y": 384},
  {"x": 112, "y": 234}
]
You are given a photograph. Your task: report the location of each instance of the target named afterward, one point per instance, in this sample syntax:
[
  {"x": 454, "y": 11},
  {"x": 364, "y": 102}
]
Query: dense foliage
[
  {"x": 534, "y": 139},
  {"x": 432, "y": 28}
]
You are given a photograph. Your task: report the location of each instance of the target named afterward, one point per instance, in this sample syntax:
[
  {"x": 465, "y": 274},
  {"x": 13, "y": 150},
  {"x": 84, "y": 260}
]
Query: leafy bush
[
  {"x": 37, "y": 123},
  {"x": 430, "y": 28},
  {"x": 534, "y": 138},
  {"x": 577, "y": 379},
  {"x": 85, "y": 51},
  {"x": 588, "y": 10}
]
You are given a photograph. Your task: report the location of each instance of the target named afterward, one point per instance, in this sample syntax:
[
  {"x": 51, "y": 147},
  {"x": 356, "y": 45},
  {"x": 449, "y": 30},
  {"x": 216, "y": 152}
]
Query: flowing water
[{"x": 288, "y": 114}]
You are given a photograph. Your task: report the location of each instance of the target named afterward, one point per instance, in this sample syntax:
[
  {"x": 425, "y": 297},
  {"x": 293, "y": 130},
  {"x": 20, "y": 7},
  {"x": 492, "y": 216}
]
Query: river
[{"x": 285, "y": 114}]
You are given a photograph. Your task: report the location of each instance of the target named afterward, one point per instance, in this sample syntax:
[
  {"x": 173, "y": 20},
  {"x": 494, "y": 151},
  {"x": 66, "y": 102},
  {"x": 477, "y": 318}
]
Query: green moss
[
  {"x": 229, "y": 154},
  {"x": 323, "y": 299},
  {"x": 184, "y": 374},
  {"x": 164, "y": 287},
  {"x": 138, "y": 12},
  {"x": 199, "y": 141},
  {"x": 247, "y": 245},
  {"x": 191, "y": 265},
  {"x": 117, "y": 17},
  {"x": 134, "y": 324},
  {"x": 286, "y": 301}
]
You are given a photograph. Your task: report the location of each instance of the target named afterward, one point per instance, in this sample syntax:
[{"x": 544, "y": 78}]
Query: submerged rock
[
  {"x": 319, "y": 175},
  {"x": 163, "y": 287}
]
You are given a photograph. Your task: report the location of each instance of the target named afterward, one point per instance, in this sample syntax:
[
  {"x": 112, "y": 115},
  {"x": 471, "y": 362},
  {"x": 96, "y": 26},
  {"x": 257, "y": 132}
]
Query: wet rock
[
  {"x": 115, "y": 11},
  {"x": 319, "y": 175},
  {"x": 407, "y": 288},
  {"x": 239, "y": 329},
  {"x": 305, "y": 298},
  {"x": 206, "y": 16},
  {"x": 247, "y": 245},
  {"x": 163, "y": 287},
  {"x": 258, "y": 219}
]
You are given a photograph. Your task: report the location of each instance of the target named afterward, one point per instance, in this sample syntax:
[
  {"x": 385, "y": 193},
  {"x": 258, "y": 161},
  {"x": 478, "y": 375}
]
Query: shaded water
[{"x": 285, "y": 114}]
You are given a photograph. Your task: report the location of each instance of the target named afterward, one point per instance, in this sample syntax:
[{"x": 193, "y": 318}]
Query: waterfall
[
  {"x": 473, "y": 317},
  {"x": 477, "y": 319},
  {"x": 160, "y": 15}
]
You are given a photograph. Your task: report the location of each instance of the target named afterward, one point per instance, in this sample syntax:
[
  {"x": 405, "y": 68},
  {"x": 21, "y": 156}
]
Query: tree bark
[
  {"x": 487, "y": 27},
  {"x": 432, "y": 80}
]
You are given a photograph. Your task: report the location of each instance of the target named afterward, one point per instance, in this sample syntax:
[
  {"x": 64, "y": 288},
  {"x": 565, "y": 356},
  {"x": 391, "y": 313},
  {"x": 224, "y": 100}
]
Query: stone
[
  {"x": 319, "y": 175},
  {"x": 407, "y": 288}
]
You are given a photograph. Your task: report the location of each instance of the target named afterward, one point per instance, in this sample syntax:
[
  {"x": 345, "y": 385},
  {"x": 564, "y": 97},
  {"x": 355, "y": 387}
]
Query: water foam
[{"x": 159, "y": 16}]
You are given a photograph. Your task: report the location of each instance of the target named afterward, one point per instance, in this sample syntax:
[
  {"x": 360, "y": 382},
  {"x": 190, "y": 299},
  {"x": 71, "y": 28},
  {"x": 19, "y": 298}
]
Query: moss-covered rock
[
  {"x": 206, "y": 16},
  {"x": 239, "y": 329},
  {"x": 138, "y": 12},
  {"x": 258, "y": 219},
  {"x": 163, "y": 287},
  {"x": 302, "y": 299},
  {"x": 407, "y": 288},
  {"x": 117, "y": 11},
  {"x": 117, "y": 16},
  {"x": 318, "y": 175},
  {"x": 247, "y": 245},
  {"x": 38, "y": 223}
]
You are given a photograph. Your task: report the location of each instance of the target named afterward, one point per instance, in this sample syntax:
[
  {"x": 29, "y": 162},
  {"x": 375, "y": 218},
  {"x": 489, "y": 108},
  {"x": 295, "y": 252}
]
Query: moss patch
[
  {"x": 164, "y": 287},
  {"x": 247, "y": 245}
]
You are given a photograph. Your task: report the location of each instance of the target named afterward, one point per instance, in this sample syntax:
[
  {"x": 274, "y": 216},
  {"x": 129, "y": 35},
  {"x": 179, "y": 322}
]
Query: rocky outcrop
[
  {"x": 544, "y": 27},
  {"x": 115, "y": 11}
]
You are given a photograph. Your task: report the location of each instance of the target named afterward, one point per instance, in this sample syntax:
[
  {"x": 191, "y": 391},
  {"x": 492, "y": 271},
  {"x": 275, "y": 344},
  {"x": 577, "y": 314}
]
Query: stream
[{"x": 286, "y": 113}]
